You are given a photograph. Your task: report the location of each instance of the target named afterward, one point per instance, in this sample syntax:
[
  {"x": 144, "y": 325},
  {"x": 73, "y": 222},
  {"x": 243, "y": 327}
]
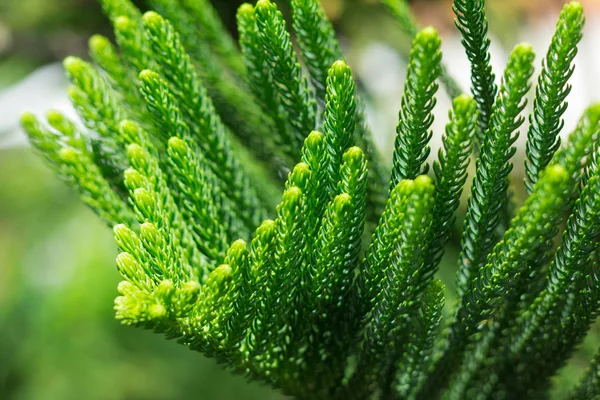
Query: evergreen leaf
[{"x": 551, "y": 92}]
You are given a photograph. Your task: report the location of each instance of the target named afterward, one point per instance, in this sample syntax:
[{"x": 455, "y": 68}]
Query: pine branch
[
  {"x": 318, "y": 42},
  {"x": 173, "y": 152},
  {"x": 489, "y": 193},
  {"x": 552, "y": 89},
  {"x": 122, "y": 80},
  {"x": 589, "y": 385},
  {"x": 393, "y": 265},
  {"x": 133, "y": 42},
  {"x": 93, "y": 99},
  {"x": 320, "y": 50},
  {"x": 229, "y": 92},
  {"x": 202, "y": 203},
  {"x": 473, "y": 26},
  {"x": 69, "y": 156},
  {"x": 203, "y": 33},
  {"x": 339, "y": 121},
  {"x": 209, "y": 137},
  {"x": 297, "y": 100},
  {"x": 212, "y": 30},
  {"x": 451, "y": 176},
  {"x": 400, "y": 9},
  {"x": 415, "y": 119},
  {"x": 416, "y": 361},
  {"x": 546, "y": 329},
  {"x": 489, "y": 354},
  {"x": 530, "y": 230}
]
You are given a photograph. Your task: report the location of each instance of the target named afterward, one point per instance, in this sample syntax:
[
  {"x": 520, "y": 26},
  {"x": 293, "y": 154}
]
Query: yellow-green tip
[
  {"x": 220, "y": 273},
  {"x": 148, "y": 75},
  {"x": 74, "y": 65},
  {"x": 462, "y": 99},
  {"x": 157, "y": 311},
  {"x": 315, "y": 138},
  {"x": 129, "y": 127},
  {"x": 136, "y": 152},
  {"x": 428, "y": 33},
  {"x": 263, "y": 3},
  {"x": 342, "y": 202},
  {"x": 178, "y": 145},
  {"x": 301, "y": 170},
  {"x": 556, "y": 172},
  {"x": 573, "y": 7},
  {"x": 266, "y": 228},
  {"x": 423, "y": 180},
  {"x": 68, "y": 155},
  {"x": 246, "y": 8},
  {"x": 523, "y": 50},
  {"x": 28, "y": 120},
  {"x": 99, "y": 43},
  {"x": 353, "y": 153},
  {"x": 340, "y": 66},
  {"x": 292, "y": 195},
  {"x": 237, "y": 246},
  {"x": 123, "y": 24},
  {"x": 152, "y": 18},
  {"x": 124, "y": 288},
  {"x": 55, "y": 117}
]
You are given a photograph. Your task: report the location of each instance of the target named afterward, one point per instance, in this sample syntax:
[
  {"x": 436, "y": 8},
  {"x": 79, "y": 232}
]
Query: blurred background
[{"x": 58, "y": 336}]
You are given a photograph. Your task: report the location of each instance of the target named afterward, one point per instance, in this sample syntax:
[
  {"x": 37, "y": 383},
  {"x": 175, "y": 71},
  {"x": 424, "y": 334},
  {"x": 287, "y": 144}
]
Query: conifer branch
[
  {"x": 393, "y": 264},
  {"x": 451, "y": 175},
  {"x": 212, "y": 30},
  {"x": 69, "y": 156},
  {"x": 177, "y": 129},
  {"x": 490, "y": 184},
  {"x": 568, "y": 275},
  {"x": 415, "y": 119},
  {"x": 414, "y": 364},
  {"x": 297, "y": 100},
  {"x": 530, "y": 230},
  {"x": 589, "y": 385},
  {"x": 472, "y": 23},
  {"x": 401, "y": 11},
  {"x": 209, "y": 138},
  {"x": 551, "y": 92},
  {"x": 260, "y": 77},
  {"x": 318, "y": 42},
  {"x": 320, "y": 50},
  {"x": 339, "y": 120}
]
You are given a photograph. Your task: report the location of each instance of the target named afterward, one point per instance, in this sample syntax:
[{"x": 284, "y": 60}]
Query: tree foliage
[{"x": 257, "y": 223}]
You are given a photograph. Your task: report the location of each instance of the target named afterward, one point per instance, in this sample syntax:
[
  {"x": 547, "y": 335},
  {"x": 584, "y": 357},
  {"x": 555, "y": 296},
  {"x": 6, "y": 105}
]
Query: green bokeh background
[{"x": 58, "y": 336}]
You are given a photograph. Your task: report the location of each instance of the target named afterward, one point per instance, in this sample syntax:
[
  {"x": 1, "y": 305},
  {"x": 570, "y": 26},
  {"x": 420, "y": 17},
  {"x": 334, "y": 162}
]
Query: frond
[
  {"x": 415, "y": 119},
  {"x": 472, "y": 23},
  {"x": 551, "y": 92},
  {"x": 490, "y": 185}
]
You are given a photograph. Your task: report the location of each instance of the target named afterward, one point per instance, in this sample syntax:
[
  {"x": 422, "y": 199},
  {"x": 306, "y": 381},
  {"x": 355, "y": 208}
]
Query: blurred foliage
[
  {"x": 35, "y": 32},
  {"x": 58, "y": 336}
]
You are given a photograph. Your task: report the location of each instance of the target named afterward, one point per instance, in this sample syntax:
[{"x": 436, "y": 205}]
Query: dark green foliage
[
  {"x": 297, "y": 102},
  {"x": 589, "y": 387},
  {"x": 400, "y": 9},
  {"x": 490, "y": 184},
  {"x": 188, "y": 145},
  {"x": 551, "y": 92},
  {"x": 572, "y": 273},
  {"x": 451, "y": 175},
  {"x": 473, "y": 26},
  {"x": 411, "y": 148},
  {"x": 320, "y": 50}
]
